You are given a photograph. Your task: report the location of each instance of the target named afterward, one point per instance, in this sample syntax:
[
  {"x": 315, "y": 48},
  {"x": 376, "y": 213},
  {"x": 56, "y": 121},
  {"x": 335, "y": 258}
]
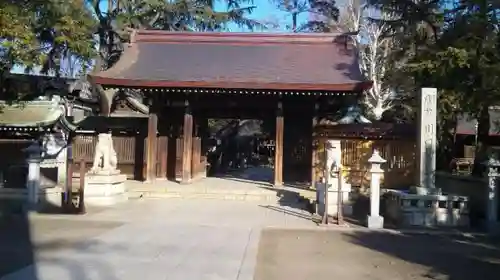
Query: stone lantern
[
  {"x": 493, "y": 165},
  {"x": 375, "y": 221},
  {"x": 34, "y": 158}
]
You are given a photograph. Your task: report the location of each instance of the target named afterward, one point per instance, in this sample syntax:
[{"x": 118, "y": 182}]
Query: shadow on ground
[
  {"x": 260, "y": 175},
  {"x": 453, "y": 257},
  {"x": 354, "y": 255},
  {"x": 289, "y": 199},
  {"x": 16, "y": 250},
  {"x": 28, "y": 239}
]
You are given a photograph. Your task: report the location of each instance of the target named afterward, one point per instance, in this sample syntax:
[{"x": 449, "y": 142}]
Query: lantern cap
[{"x": 376, "y": 158}]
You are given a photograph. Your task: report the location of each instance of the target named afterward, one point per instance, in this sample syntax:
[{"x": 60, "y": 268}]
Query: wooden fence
[
  {"x": 131, "y": 151},
  {"x": 399, "y": 169}
]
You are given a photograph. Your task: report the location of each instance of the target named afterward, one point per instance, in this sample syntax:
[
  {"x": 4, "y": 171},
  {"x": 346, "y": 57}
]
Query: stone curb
[{"x": 355, "y": 228}]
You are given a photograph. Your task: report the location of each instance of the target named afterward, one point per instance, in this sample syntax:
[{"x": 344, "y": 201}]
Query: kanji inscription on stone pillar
[{"x": 426, "y": 141}]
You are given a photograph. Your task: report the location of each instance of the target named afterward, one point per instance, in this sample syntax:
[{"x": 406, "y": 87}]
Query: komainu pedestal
[{"x": 104, "y": 185}]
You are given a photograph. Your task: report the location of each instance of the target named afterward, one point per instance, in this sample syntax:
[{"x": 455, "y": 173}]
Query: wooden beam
[
  {"x": 151, "y": 148},
  {"x": 187, "y": 147},
  {"x": 278, "y": 156}
]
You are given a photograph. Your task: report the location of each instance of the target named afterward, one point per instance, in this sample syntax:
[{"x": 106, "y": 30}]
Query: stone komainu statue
[{"x": 105, "y": 160}]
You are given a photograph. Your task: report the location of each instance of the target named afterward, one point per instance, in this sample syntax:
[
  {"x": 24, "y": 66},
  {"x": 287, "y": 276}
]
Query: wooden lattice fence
[{"x": 399, "y": 169}]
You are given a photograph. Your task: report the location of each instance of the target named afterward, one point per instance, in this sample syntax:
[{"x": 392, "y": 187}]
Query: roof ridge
[{"x": 250, "y": 37}]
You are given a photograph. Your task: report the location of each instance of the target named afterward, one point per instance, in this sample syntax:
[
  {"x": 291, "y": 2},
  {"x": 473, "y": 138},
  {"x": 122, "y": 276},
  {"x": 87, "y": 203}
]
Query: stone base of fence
[{"x": 426, "y": 210}]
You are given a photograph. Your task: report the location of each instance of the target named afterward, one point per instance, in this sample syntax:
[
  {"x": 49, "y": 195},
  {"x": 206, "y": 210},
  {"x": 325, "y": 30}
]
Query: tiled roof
[
  {"x": 29, "y": 114},
  {"x": 322, "y": 62},
  {"x": 466, "y": 125}
]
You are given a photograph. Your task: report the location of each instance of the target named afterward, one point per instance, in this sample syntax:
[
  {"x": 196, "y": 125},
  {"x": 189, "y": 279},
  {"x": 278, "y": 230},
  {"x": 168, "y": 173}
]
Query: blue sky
[{"x": 265, "y": 11}]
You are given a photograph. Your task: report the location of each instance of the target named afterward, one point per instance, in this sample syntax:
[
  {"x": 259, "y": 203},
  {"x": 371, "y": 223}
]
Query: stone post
[
  {"x": 375, "y": 221},
  {"x": 426, "y": 141},
  {"x": 34, "y": 157},
  {"x": 492, "y": 193}
]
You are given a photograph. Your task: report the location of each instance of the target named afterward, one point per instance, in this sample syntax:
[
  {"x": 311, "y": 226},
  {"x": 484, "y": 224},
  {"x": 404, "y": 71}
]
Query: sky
[{"x": 265, "y": 12}]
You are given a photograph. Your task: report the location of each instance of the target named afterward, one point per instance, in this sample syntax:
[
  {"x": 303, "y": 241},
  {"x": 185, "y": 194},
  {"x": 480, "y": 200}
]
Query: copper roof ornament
[{"x": 353, "y": 115}]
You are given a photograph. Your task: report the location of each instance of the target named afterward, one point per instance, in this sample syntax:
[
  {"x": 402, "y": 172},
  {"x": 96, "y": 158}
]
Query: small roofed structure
[
  {"x": 22, "y": 123},
  {"x": 466, "y": 125},
  {"x": 25, "y": 119}
]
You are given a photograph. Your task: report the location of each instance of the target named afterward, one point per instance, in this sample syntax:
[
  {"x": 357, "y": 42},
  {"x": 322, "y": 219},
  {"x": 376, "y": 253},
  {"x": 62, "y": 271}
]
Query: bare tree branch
[{"x": 373, "y": 50}]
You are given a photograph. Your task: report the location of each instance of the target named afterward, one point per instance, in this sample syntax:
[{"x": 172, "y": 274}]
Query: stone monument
[
  {"x": 424, "y": 204},
  {"x": 104, "y": 185},
  {"x": 426, "y": 141},
  {"x": 492, "y": 222},
  {"x": 333, "y": 164}
]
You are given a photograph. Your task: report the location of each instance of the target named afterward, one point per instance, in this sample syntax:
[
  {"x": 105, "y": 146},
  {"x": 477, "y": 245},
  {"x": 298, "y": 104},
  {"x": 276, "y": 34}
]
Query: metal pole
[
  {"x": 326, "y": 174},
  {"x": 81, "y": 190},
  {"x": 68, "y": 199},
  {"x": 340, "y": 215},
  {"x": 476, "y": 132}
]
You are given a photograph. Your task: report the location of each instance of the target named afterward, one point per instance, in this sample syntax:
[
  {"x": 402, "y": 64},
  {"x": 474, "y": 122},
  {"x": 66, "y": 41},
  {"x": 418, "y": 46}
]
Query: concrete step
[
  {"x": 192, "y": 195},
  {"x": 221, "y": 194}
]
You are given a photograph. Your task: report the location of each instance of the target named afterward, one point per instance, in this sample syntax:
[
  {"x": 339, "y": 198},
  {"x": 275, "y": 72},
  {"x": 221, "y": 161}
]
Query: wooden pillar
[
  {"x": 203, "y": 132},
  {"x": 151, "y": 148},
  {"x": 164, "y": 133},
  {"x": 278, "y": 156},
  {"x": 187, "y": 145},
  {"x": 314, "y": 144},
  {"x": 163, "y": 154}
]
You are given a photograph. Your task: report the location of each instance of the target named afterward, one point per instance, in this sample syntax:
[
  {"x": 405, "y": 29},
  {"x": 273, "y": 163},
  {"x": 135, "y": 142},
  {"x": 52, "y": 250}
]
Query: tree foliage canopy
[
  {"x": 451, "y": 45},
  {"x": 41, "y": 32}
]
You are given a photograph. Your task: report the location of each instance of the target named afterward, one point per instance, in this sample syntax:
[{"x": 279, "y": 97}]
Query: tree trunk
[
  {"x": 110, "y": 35},
  {"x": 446, "y": 144},
  {"x": 482, "y": 142}
]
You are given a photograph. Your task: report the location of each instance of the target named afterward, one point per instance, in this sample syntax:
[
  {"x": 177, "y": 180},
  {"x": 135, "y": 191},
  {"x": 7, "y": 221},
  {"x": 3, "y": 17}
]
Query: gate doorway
[{"x": 241, "y": 149}]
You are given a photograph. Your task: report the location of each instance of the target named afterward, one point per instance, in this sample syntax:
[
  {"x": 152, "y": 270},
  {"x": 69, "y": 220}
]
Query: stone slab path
[{"x": 150, "y": 239}]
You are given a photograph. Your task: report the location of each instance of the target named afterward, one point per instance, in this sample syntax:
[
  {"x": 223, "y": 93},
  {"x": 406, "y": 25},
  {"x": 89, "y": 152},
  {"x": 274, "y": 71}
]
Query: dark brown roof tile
[{"x": 236, "y": 60}]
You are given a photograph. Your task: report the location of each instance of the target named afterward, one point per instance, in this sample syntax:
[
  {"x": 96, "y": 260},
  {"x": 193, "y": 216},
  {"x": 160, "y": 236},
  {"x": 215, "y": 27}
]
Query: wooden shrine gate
[{"x": 204, "y": 83}]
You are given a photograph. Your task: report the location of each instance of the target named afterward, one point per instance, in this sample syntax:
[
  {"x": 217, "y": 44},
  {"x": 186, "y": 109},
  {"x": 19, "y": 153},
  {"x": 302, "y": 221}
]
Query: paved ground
[
  {"x": 144, "y": 239},
  {"x": 362, "y": 255},
  {"x": 213, "y": 239}
]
